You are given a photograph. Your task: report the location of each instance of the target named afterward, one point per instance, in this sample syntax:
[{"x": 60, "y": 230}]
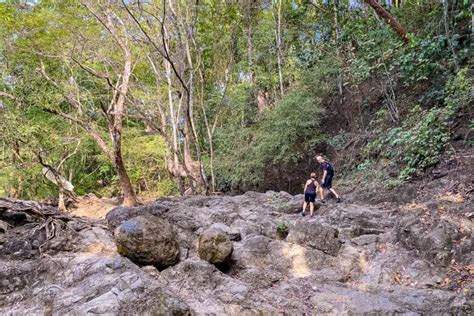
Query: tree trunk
[
  {"x": 389, "y": 19},
  {"x": 61, "y": 203},
  {"x": 129, "y": 198},
  {"x": 448, "y": 34},
  {"x": 250, "y": 40},
  {"x": 279, "y": 48},
  {"x": 338, "y": 52}
]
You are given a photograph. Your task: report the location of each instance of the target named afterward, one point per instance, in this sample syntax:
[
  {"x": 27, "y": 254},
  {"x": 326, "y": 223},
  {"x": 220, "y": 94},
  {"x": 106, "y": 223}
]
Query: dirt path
[{"x": 93, "y": 207}]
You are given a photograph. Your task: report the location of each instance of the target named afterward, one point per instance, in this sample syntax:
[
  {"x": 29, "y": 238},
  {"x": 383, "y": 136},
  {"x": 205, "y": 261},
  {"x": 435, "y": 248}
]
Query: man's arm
[
  {"x": 325, "y": 172},
  {"x": 305, "y": 187}
]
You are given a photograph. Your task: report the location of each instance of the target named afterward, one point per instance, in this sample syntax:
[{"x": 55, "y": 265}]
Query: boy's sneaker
[{"x": 301, "y": 213}]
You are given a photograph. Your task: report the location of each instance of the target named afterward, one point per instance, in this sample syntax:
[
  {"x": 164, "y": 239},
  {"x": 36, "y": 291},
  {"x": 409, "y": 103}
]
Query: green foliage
[
  {"x": 281, "y": 136},
  {"x": 394, "y": 183},
  {"x": 282, "y": 228},
  {"x": 423, "y": 143},
  {"x": 339, "y": 140},
  {"x": 147, "y": 167},
  {"x": 421, "y": 139},
  {"x": 235, "y": 62},
  {"x": 421, "y": 60}
]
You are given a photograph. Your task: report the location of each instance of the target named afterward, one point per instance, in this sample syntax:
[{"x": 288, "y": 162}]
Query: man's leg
[
  {"x": 334, "y": 192},
  {"x": 311, "y": 208},
  {"x": 329, "y": 187}
]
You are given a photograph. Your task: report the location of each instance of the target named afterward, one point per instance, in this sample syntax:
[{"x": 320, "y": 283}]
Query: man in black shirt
[{"x": 326, "y": 180}]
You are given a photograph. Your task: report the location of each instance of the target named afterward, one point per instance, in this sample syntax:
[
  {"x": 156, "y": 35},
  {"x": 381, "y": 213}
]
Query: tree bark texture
[{"x": 389, "y": 19}]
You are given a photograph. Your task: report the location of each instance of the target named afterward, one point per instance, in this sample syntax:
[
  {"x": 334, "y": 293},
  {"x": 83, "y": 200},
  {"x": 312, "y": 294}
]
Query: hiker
[
  {"x": 326, "y": 179},
  {"x": 310, "y": 189}
]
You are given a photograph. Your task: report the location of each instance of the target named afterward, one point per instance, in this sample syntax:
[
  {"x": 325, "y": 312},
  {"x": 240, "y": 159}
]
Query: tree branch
[{"x": 389, "y": 19}]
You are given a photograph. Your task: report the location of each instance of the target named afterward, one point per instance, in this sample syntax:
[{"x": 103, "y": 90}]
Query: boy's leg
[
  {"x": 321, "y": 192},
  {"x": 304, "y": 208}
]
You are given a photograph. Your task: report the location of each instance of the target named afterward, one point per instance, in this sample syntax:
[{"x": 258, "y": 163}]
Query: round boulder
[
  {"x": 215, "y": 247},
  {"x": 147, "y": 240}
]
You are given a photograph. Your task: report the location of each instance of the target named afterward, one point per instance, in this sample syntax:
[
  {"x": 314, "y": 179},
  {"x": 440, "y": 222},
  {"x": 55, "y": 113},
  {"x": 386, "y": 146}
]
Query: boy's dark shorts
[
  {"x": 309, "y": 197},
  {"x": 328, "y": 183}
]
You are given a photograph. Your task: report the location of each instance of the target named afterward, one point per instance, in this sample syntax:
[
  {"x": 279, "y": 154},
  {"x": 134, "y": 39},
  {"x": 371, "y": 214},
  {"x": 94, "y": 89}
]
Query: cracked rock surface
[{"x": 347, "y": 259}]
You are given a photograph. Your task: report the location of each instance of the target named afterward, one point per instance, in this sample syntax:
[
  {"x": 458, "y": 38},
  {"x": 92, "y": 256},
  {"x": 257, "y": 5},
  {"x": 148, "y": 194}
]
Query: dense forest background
[{"x": 153, "y": 98}]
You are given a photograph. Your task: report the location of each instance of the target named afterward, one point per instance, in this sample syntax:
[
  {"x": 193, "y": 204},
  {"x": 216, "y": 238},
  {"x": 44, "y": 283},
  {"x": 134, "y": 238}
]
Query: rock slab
[{"x": 316, "y": 235}]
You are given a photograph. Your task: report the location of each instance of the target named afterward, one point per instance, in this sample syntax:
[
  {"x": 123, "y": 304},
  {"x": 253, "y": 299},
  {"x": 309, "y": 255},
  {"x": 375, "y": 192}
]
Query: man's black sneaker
[
  {"x": 323, "y": 201},
  {"x": 338, "y": 200}
]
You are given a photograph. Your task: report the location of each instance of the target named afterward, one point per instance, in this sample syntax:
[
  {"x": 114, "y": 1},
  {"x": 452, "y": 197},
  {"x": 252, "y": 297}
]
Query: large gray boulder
[
  {"x": 120, "y": 214},
  {"x": 316, "y": 235},
  {"x": 148, "y": 240},
  {"x": 215, "y": 246}
]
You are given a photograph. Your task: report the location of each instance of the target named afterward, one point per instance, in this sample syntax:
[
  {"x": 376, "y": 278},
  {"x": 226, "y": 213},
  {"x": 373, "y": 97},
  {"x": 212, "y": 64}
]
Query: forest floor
[{"x": 94, "y": 207}]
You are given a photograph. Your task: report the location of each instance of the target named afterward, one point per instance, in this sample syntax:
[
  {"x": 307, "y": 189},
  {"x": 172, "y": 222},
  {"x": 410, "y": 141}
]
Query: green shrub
[
  {"x": 281, "y": 136},
  {"x": 282, "y": 229},
  {"x": 422, "y": 137}
]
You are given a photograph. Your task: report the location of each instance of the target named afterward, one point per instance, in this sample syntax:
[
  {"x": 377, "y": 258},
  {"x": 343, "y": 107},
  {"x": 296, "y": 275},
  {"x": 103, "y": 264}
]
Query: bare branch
[
  {"x": 70, "y": 155},
  {"x": 7, "y": 95}
]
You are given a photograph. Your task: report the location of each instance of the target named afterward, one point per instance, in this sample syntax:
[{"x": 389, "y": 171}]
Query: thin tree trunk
[
  {"x": 250, "y": 40},
  {"x": 338, "y": 52},
  {"x": 389, "y": 19},
  {"x": 129, "y": 198},
  {"x": 118, "y": 105},
  {"x": 211, "y": 149},
  {"x": 279, "y": 48},
  {"x": 190, "y": 108},
  {"x": 448, "y": 33}
]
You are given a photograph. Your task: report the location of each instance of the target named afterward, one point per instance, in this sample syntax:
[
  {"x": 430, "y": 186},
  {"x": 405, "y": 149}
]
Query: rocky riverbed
[{"x": 348, "y": 259}]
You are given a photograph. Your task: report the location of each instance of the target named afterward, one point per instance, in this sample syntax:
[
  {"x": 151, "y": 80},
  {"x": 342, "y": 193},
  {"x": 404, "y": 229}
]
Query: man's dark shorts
[
  {"x": 328, "y": 183},
  {"x": 309, "y": 197}
]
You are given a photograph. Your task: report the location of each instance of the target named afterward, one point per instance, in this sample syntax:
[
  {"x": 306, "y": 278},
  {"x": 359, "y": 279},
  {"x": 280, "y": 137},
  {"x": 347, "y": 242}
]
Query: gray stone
[
  {"x": 215, "y": 246},
  {"x": 3, "y": 226},
  {"x": 148, "y": 240},
  {"x": 232, "y": 233},
  {"x": 316, "y": 235},
  {"x": 365, "y": 240}
]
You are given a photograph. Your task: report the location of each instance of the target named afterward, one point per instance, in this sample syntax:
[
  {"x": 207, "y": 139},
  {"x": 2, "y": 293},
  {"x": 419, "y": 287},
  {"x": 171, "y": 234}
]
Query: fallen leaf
[
  {"x": 470, "y": 268},
  {"x": 445, "y": 282},
  {"x": 398, "y": 278}
]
